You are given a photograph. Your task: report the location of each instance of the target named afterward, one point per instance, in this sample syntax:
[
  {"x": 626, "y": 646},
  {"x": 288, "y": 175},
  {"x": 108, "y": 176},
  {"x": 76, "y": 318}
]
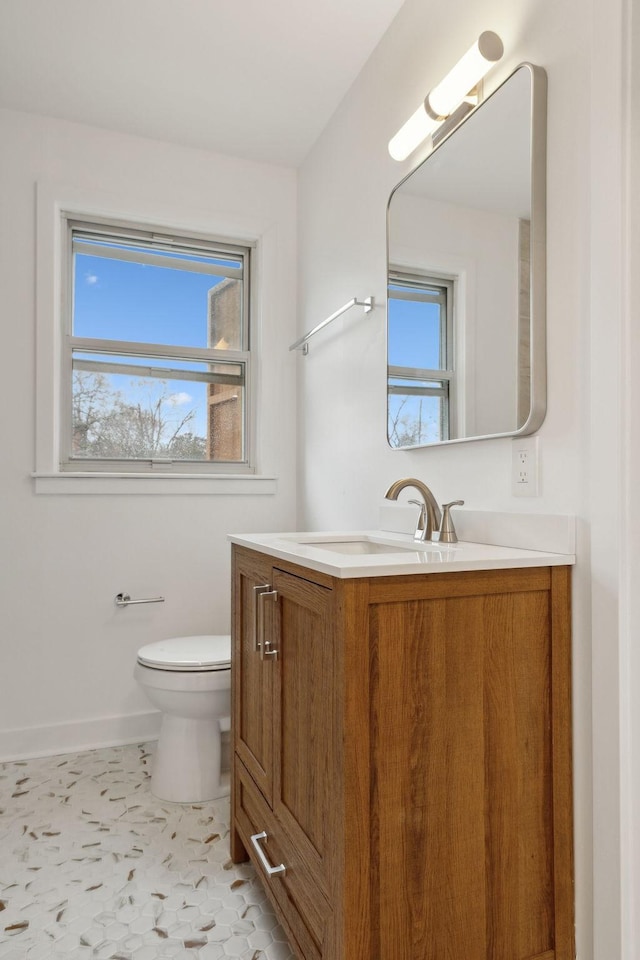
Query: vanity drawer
[{"x": 293, "y": 891}]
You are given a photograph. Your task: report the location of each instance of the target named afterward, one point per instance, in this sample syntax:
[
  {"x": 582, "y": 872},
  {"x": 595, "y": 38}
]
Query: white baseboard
[{"x": 29, "y": 742}]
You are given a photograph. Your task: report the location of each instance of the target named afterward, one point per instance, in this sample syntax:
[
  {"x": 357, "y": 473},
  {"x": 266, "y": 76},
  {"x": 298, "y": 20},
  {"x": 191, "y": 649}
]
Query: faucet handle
[
  {"x": 447, "y": 529},
  {"x": 421, "y": 525}
]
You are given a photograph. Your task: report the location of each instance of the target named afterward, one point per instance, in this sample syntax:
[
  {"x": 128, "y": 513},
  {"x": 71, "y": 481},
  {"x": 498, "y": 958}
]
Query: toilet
[{"x": 189, "y": 680}]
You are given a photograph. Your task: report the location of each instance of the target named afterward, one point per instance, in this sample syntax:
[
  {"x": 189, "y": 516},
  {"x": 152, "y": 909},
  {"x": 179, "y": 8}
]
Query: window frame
[
  {"x": 141, "y": 233},
  {"x": 408, "y": 277}
]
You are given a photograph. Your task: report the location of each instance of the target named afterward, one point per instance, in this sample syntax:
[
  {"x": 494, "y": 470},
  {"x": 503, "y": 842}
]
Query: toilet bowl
[{"x": 189, "y": 680}]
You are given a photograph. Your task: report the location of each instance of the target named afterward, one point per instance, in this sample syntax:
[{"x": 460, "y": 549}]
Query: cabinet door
[
  {"x": 305, "y": 787},
  {"x": 463, "y": 797},
  {"x": 252, "y": 676}
]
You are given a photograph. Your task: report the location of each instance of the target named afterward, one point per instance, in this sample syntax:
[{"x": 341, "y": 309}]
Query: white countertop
[{"x": 322, "y": 552}]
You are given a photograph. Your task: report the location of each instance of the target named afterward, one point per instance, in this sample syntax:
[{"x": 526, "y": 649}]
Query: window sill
[{"x": 136, "y": 483}]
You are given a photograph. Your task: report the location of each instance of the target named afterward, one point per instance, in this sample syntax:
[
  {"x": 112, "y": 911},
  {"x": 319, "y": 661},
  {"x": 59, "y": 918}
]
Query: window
[
  {"x": 156, "y": 364},
  {"x": 420, "y": 359}
]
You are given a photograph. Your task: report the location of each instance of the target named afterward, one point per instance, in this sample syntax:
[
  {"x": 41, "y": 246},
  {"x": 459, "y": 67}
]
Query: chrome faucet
[{"x": 429, "y": 517}]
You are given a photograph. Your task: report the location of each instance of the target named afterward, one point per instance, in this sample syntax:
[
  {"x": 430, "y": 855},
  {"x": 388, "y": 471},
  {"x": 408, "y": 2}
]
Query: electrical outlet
[{"x": 525, "y": 467}]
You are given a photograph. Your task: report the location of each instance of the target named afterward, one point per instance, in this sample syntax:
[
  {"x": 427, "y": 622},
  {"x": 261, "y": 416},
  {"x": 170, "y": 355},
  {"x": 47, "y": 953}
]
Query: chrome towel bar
[
  {"x": 124, "y": 600},
  {"x": 302, "y": 343}
]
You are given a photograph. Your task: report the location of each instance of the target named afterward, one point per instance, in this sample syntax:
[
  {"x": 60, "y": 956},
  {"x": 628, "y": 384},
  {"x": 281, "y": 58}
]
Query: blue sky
[
  {"x": 122, "y": 300},
  {"x": 116, "y": 299},
  {"x": 414, "y": 334}
]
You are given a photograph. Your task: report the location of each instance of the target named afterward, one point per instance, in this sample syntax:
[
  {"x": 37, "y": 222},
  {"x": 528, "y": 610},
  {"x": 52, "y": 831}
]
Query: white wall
[
  {"x": 67, "y": 653},
  {"x": 630, "y": 667},
  {"x": 344, "y": 462}
]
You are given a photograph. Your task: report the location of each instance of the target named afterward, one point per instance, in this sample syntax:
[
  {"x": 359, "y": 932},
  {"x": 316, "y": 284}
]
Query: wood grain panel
[
  {"x": 351, "y": 782},
  {"x": 251, "y": 683},
  {"x": 304, "y": 718},
  {"x": 251, "y": 688},
  {"x": 519, "y": 824},
  {"x": 295, "y": 569},
  {"x": 561, "y": 741},
  {"x": 463, "y": 806},
  {"x": 428, "y": 798},
  {"x": 467, "y": 584}
]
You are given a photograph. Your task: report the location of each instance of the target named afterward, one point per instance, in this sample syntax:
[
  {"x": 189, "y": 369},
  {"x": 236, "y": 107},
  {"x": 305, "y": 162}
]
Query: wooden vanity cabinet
[{"x": 407, "y": 753}]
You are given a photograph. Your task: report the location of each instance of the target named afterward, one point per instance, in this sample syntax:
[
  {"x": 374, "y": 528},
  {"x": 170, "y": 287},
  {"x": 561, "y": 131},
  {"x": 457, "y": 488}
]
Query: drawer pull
[
  {"x": 263, "y": 643},
  {"x": 271, "y": 871},
  {"x": 257, "y": 611}
]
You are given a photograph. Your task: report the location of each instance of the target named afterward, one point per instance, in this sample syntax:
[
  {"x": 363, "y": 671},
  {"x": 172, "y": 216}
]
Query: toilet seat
[{"x": 188, "y": 654}]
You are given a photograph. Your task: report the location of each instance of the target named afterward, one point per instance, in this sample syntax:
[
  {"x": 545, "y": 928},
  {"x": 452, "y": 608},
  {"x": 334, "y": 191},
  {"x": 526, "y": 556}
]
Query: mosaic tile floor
[{"x": 93, "y": 866}]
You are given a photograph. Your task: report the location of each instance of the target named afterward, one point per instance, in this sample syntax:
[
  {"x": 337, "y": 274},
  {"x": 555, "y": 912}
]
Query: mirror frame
[{"x": 538, "y": 266}]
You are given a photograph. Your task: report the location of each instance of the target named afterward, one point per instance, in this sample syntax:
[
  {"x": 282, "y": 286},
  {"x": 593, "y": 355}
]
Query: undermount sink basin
[{"x": 357, "y": 547}]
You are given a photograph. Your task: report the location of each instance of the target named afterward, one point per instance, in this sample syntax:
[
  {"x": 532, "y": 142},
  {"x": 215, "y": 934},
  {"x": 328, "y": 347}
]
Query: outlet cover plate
[{"x": 525, "y": 467}]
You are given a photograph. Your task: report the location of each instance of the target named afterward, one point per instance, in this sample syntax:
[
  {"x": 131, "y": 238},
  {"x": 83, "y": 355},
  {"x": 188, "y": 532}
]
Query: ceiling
[{"x": 257, "y": 79}]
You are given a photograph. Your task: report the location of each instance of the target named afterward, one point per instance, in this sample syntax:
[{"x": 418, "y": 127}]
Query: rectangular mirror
[{"x": 466, "y": 319}]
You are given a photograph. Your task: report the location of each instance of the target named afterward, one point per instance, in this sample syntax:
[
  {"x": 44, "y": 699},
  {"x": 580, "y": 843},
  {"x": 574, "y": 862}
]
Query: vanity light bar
[{"x": 448, "y": 94}]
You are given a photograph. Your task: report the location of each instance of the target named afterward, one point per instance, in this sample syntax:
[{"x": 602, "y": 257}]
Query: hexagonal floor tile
[{"x": 101, "y": 868}]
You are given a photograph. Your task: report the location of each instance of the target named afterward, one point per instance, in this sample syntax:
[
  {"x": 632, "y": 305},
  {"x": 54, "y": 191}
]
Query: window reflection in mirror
[
  {"x": 466, "y": 276},
  {"x": 420, "y": 327}
]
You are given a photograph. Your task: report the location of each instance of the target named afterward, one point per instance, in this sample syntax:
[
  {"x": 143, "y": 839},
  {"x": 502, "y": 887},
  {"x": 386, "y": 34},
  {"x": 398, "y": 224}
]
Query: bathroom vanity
[{"x": 401, "y": 724}]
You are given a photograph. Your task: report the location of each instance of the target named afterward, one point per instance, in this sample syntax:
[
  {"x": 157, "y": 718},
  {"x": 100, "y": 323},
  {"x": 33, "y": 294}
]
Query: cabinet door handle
[
  {"x": 269, "y": 870},
  {"x": 257, "y": 616},
  {"x": 264, "y": 644}
]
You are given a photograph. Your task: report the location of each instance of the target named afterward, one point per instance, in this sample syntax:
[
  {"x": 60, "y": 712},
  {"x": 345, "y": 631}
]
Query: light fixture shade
[
  {"x": 448, "y": 94},
  {"x": 467, "y": 72},
  {"x": 416, "y": 129}
]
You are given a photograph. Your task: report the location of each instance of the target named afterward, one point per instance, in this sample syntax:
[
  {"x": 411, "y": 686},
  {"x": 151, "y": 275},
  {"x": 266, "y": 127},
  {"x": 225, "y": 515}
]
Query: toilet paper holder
[{"x": 124, "y": 600}]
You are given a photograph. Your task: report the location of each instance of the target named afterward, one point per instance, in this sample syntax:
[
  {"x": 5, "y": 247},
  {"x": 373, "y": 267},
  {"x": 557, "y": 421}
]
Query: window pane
[
  {"x": 136, "y": 408},
  {"x": 415, "y": 334},
  {"x": 416, "y": 419},
  {"x": 164, "y": 299}
]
